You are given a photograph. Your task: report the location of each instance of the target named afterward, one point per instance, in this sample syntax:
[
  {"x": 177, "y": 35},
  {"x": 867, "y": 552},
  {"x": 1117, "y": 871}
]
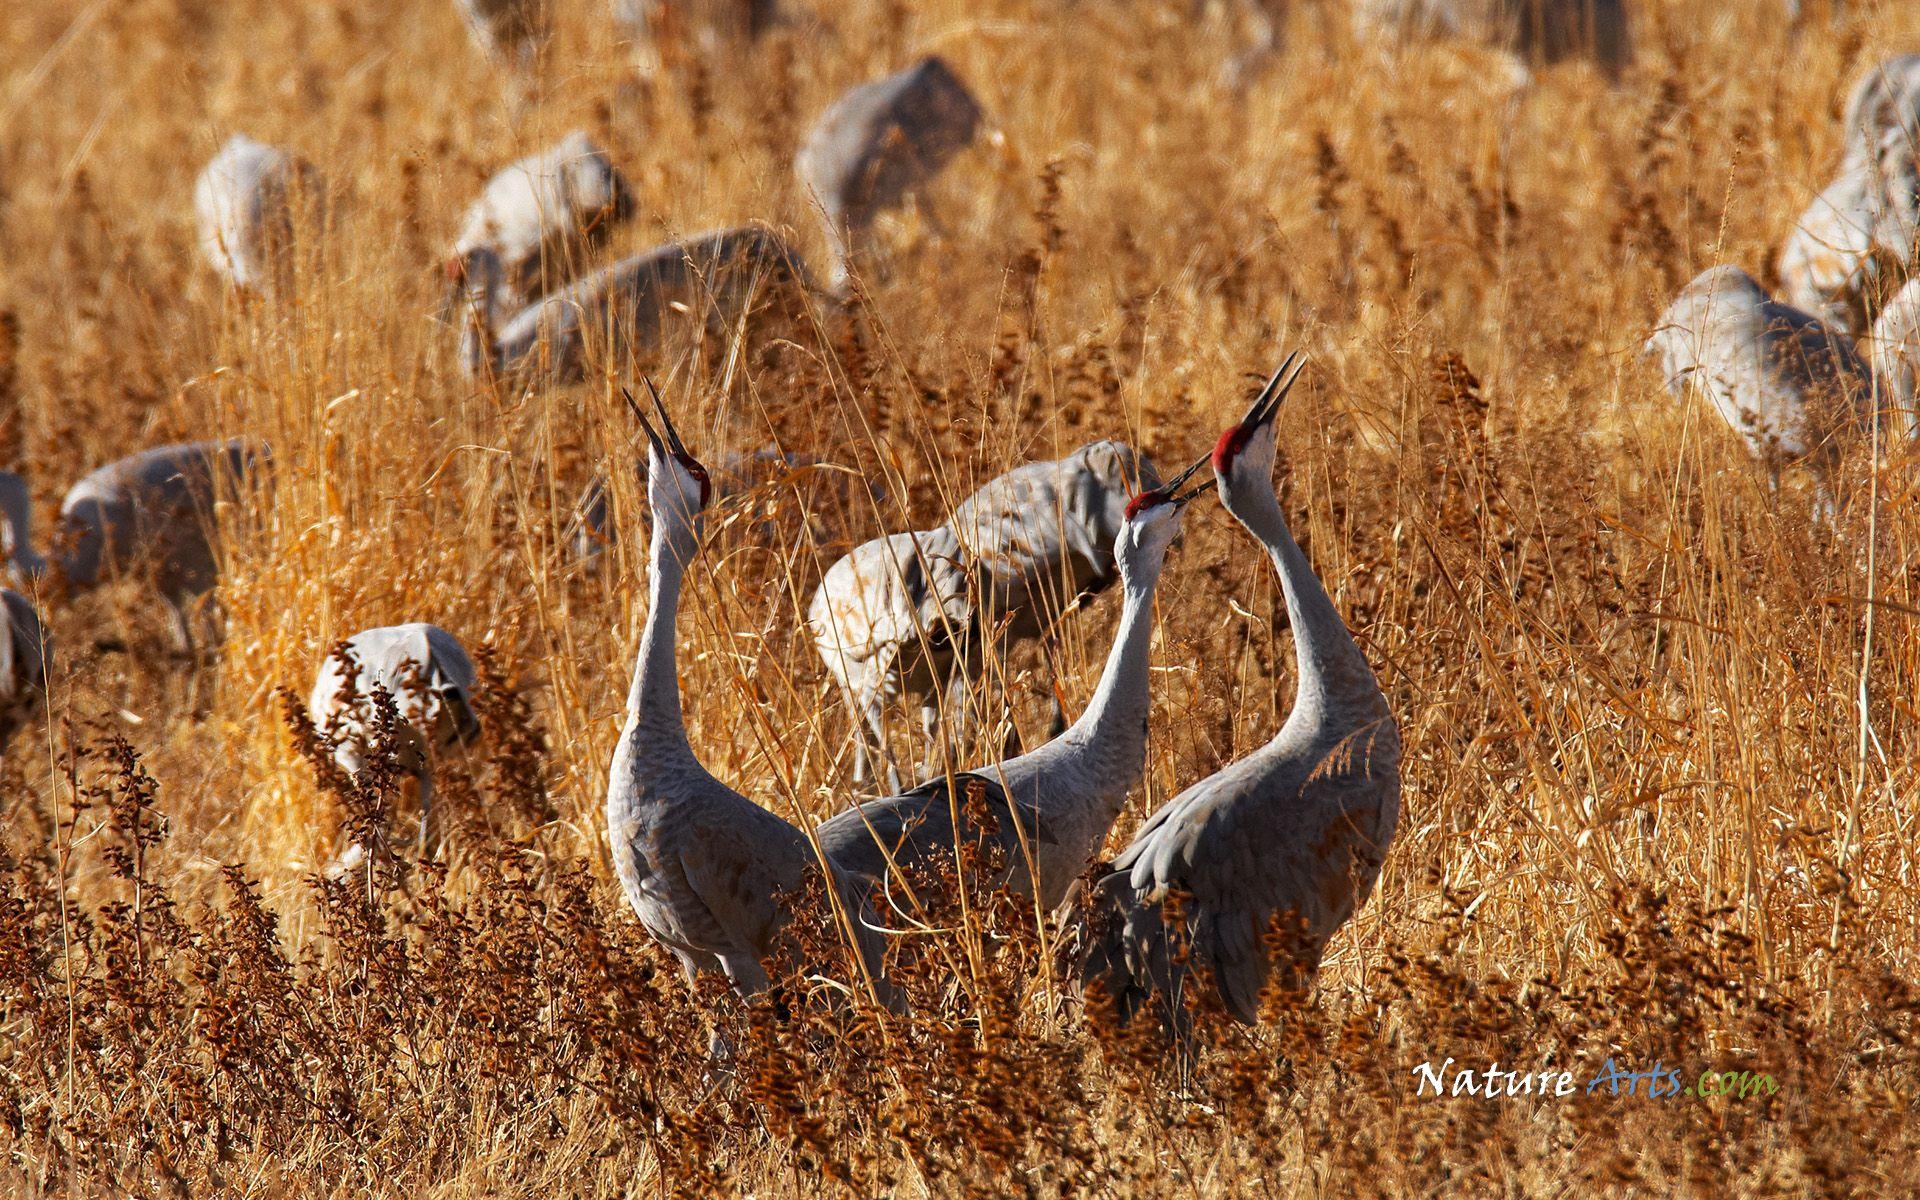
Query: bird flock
[
  {"x": 1787, "y": 375},
  {"x": 1240, "y": 879}
]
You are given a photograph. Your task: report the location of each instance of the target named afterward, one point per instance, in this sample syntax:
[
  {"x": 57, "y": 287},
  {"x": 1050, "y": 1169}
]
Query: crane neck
[
  {"x": 1335, "y": 683},
  {"x": 1079, "y": 781},
  {"x": 1115, "y": 719},
  {"x": 653, "y": 702}
]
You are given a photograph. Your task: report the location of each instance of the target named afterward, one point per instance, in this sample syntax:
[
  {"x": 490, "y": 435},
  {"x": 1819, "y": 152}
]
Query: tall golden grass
[{"x": 1659, "y": 728}]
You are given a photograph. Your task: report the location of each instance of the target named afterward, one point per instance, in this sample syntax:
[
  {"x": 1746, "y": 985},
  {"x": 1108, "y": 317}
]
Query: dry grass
[{"x": 1648, "y": 813}]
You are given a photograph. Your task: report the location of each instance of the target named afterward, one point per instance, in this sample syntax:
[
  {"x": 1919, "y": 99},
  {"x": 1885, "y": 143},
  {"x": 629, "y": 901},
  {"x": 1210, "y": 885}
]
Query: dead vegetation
[{"x": 1660, "y": 743}]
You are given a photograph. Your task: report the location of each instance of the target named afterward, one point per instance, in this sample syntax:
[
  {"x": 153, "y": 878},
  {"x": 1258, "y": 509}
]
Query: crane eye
[
  {"x": 699, "y": 474},
  {"x": 1229, "y": 446}
]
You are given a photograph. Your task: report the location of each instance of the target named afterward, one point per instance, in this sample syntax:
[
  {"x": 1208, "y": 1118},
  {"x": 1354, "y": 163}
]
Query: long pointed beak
[
  {"x": 1172, "y": 486},
  {"x": 673, "y": 435},
  {"x": 653, "y": 439},
  {"x": 1279, "y": 384}
]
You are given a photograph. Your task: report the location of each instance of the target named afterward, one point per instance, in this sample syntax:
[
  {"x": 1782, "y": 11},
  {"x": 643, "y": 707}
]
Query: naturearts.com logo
[{"x": 1659, "y": 1083}]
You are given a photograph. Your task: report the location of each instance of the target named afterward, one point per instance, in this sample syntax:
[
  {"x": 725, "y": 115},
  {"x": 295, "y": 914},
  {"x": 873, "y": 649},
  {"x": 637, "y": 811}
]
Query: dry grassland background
[{"x": 1660, "y": 756}]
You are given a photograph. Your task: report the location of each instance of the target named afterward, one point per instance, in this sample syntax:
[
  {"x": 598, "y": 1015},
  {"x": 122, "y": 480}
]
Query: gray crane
[
  {"x": 535, "y": 221},
  {"x": 1792, "y": 388},
  {"x": 1885, "y": 98},
  {"x": 1895, "y": 353},
  {"x": 903, "y": 616},
  {"x": 1855, "y": 241},
  {"x": 26, "y": 660},
  {"x": 154, "y": 511},
  {"x": 1293, "y": 835},
  {"x": 708, "y": 872},
  {"x": 1538, "y": 32},
  {"x": 16, "y": 529},
  {"x": 1856, "y": 237},
  {"x": 1051, "y": 808},
  {"x": 426, "y": 673},
  {"x": 253, "y": 201},
  {"x": 629, "y": 307},
  {"x": 876, "y": 144}
]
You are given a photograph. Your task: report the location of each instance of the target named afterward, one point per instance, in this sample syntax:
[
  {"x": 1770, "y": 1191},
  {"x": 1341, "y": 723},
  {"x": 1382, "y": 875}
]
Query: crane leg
[
  {"x": 425, "y": 778},
  {"x": 859, "y": 755},
  {"x": 954, "y": 718},
  {"x": 181, "y": 625},
  {"x": 929, "y": 217},
  {"x": 872, "y": 725}
]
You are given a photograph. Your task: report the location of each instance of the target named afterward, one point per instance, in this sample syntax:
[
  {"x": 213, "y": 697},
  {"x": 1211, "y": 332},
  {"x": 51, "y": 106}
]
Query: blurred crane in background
[
  {"x": 911, "y": 615},
  {"x": 254, "y": 202},
  {"x": 1792, "y": 388},
  {"x": 878, "y": 144},
  {"x": 536, "y": 220}
]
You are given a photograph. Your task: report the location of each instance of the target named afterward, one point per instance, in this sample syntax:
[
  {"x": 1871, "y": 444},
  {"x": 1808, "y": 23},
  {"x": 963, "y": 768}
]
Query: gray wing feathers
[
  {"x": 1789, "y": 385},
  {"x": 1241, "y": 855},
  {"x": 917, "y": 827}
]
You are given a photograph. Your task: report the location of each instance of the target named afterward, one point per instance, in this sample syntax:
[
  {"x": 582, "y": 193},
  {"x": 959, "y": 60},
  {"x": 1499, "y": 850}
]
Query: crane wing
[
  {"x": 738, "y": 859},
  {"x": 917, "y": 827},
  {"x": 1291, "y": 846}
]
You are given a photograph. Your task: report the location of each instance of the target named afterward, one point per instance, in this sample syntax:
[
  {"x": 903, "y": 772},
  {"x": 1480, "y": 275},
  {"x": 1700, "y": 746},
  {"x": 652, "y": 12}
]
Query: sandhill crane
[
  {"x": 1053, "y": 805},
  {"x": 26, "y": 657},
  {"x": 1858, "y": 233},
  {"x": 890, "y": 619},
  {"x": 1294, "y": 834},
  {"x": 1895, "y": 353},
  {"x": 1855, "y": 241},
  {"x": 536, "y": 218},
  {"x": 902, "y": 616},
  {"x": 511, "y": 32},
  {"x": 1787, "y": 384},
  {"x": 1536, "y": 31},
  {"x": 709, "y": 26},
  {"x": 877, "y": 143},
  {"x": 254, "y": 201},
  {"x": 628, "y": 308},
  {"x": 1885, "y": 98},
  {"x": 426, "y": 673},
  {"x": 705, "y": 868},
  {"x": 153, "y": 510},
  {"x": 16, "y": 529}
]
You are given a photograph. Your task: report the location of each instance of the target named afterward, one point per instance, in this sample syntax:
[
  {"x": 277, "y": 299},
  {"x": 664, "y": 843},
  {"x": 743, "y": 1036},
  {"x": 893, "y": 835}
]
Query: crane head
[
  {"x": 669, "y": 449},
  {"x": 1259, "y": 415},
  {"x": 1167, "y": 493},
  {"x": 1153, "y": 521}
]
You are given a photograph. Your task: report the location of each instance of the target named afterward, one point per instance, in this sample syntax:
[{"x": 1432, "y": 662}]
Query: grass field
[{"x": 1660, "y": 746}]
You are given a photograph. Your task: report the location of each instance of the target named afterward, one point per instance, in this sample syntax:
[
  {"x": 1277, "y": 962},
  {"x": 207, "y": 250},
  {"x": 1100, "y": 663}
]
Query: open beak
[
  {"x": 1279, "y": 384},
  {"x": 1172, "y": 486},
  {"x": 653, "y": 438},
  {"x": 672, "y": 442},
  {"x": 673, "y": 435}
]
